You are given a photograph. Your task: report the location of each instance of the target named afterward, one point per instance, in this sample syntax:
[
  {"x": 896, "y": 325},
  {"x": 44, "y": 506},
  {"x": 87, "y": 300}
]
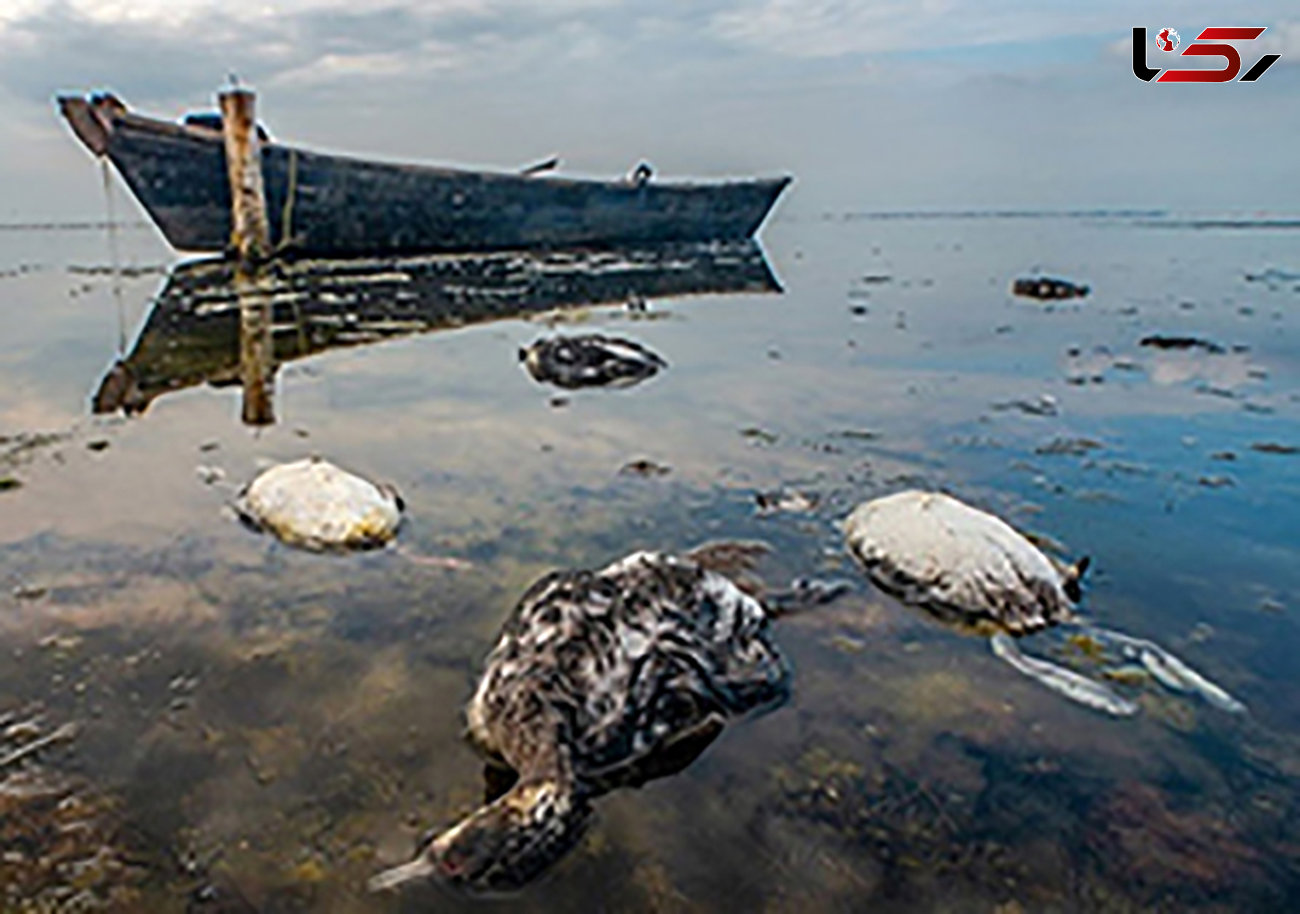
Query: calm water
[{"x": 263, "y": 729}]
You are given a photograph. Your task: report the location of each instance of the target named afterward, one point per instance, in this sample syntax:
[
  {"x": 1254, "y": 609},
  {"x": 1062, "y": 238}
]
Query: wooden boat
[
  {"x": 333, "y": 206},
  {"x": 192, "y": 333}
]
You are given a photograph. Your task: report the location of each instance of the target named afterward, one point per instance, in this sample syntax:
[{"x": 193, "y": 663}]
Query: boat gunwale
[{"x": 193, "y": 132}]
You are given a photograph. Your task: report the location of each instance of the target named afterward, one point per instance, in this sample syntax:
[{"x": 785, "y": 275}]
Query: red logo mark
[{"x": 1207, "y": 44}]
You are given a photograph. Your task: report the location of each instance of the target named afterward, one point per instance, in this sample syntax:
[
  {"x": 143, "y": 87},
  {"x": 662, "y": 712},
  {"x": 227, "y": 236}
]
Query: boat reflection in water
[{"x": 202, "y": 329}]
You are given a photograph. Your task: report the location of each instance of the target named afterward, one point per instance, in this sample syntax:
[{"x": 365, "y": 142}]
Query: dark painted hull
[
  {"x": 192, "y": 332},
  {"x": 333, "y": 206}
]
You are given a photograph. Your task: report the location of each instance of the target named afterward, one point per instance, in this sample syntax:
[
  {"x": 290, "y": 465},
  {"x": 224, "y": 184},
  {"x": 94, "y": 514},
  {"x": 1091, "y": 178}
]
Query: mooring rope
[
  {"x": 114, "y": 259},
  {"x": 286, "y": 216}
]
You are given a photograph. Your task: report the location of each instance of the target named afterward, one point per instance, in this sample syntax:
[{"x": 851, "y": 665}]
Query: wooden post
[
  {"x": 250, "y": 239},
  {"x": 256, "y": 351},
  {"x": 250, "y": 232}
]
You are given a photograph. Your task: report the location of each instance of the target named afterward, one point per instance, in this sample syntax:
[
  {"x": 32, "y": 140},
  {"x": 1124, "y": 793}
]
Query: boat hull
[{"x": 334, "y": 206}]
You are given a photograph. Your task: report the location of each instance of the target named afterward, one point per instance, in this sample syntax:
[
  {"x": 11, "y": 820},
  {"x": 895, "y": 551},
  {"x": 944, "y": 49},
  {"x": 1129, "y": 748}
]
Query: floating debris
[
  {"x": 1273, "y": 447},
  {"x": 599, "y": 680},
  {"x": 804, "y": 593},
  {"x": 1273, "y": 275},
  {"x": 759, "y": 435},
  {"x": 1216, "y": 482},
  {"x": 209, "y": 475},
  {"x": 10, "y": 483},
  {"x": 1181, "y": 343},
  {"x": 1070, "y": 447},
  {"x": 315, "y": 505},
  {"x": 99, "y": 444},
  {"x": 1042, "y": 405},
  {"x": 971, "y": 570},
  {"x": 590, "y": 360},
  {"x": 1047, "y": 288},
  {"x": 787, "y": 501},
  {"x": 645, "y": 468}
]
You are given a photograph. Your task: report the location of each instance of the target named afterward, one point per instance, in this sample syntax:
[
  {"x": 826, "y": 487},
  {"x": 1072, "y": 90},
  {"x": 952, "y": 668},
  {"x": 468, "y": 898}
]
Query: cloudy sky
[{"x": 872, "y": 104}]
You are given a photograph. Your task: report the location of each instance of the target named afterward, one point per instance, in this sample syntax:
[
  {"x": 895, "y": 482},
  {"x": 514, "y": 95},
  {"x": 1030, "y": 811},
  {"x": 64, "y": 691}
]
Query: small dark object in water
[
  {"x": 590, "y": 360},
  {"x": 1068, "y": 447},
  {"x": 600, "y": 679},
  {"x": 1043, "y": 405},
  {"x": 10, "y": 483},
  {"x": 1273, "y": 447},
  {"x": 859, "y": 310},
  {"x": 99, "y": 444},
  {"x": 792, "y": 501},
  {"x": 644, "y": 467},
  {"x": 804, "y": 593},
  {"x": 760, "y": 435},
  {"x": 1161, "y": 341},
  {"x": 1047, "y": 288}
]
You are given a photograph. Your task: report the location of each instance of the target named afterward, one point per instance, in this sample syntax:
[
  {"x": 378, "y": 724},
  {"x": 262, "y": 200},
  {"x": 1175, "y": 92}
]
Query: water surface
[{"x": 263, "y": 729}]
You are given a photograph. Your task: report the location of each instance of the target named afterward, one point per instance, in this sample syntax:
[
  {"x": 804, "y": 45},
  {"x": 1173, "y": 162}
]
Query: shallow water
[{"x": 265, "y": 728}]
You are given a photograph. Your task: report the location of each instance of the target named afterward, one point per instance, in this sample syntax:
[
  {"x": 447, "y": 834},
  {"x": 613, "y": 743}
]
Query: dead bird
[
  {"x": 590, "y": 360},
  {"x": 975, "y": 572},
  {"x": 599, "y": 680}
]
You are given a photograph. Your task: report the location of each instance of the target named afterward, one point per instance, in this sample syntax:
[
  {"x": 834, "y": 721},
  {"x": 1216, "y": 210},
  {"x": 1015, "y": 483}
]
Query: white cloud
[
  {"x": 830, "y": 28},
  {"x": 1284, "y": 39}
]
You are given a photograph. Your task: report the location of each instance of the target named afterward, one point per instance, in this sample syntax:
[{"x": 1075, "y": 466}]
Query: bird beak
[{"x": 417, "y": 869}]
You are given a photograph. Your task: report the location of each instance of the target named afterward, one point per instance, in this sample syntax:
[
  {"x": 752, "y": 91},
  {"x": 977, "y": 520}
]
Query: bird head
[{"x": 501, "y": 846}]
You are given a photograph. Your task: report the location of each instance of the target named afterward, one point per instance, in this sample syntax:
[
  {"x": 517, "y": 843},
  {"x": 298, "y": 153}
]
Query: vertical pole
[
  {"x": 250, "y": 231},
  {"x": 251, "y": 244}
]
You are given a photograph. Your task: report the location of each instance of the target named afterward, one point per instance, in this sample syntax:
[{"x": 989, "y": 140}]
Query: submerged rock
[
  {"x": 590, "y": 360},
  {"x": 315, "y": 505}
]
